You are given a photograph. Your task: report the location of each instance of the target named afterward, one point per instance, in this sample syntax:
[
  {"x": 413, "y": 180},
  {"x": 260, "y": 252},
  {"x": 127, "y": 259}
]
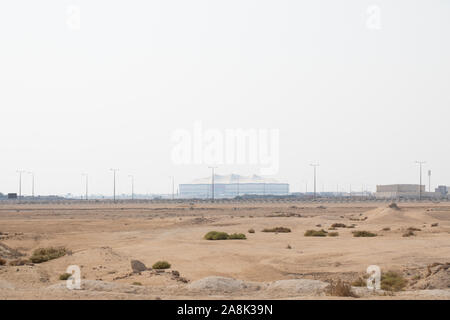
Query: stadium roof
[{"x": 235, "y": 178}]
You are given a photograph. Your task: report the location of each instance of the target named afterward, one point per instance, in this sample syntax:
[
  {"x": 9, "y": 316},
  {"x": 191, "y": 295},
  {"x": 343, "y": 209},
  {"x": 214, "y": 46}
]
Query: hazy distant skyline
[{"x": 110, "y": 92}]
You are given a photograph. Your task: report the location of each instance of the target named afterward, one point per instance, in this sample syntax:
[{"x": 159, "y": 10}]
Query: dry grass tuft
[{"x": 341, "y": 289}]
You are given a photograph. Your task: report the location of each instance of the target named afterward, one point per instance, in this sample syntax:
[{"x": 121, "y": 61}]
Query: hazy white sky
[{"x": 364, "y": 102}]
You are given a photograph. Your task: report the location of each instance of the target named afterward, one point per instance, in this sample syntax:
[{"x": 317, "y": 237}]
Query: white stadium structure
[{"x": 230, "y": 186}]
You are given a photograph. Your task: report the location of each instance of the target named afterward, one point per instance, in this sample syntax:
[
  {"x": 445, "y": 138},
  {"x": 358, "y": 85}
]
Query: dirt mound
[
  {"x": 9, "y": 253},
  {"x": 392, "y": 216},
  {"x": 303, "y": 287},
  {"x": 221, "y": 284},
  {"x": 437, "y": 276}
]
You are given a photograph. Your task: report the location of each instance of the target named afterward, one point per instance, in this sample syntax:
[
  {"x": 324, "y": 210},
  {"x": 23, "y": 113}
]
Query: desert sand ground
[{"x": 104, "y": 237}]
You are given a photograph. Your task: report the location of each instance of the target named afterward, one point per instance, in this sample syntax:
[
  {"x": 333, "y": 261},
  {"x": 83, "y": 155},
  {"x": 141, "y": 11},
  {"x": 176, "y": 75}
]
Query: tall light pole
[
  {"x": 86, "y": 184},
  {"x": 315, "y": 165},
  {"x": 212, "y": 182},
  {"x": 114, "y": 193},
  {"x": 132, "y": 186},
  {"x": 173, "y": 187},
  {"x": 32, "y": 183},
  {"x": 20, "y": 182},
  {"x": 429, "y": 180},
  {"x": 420, "y": 163}
]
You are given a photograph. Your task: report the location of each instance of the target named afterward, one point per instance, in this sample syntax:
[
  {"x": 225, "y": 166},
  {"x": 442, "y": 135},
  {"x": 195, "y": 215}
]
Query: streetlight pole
[
  {"x": 132, "y": 186},
  {"x": 212, "y": 182},
  {"x": 86, "y": 184},
  {"x": 114, "y": 193},
  {"x": 20, "y": 182},
  {"x": 420, "y": 163},
  {"x": 315, "y": 165}
]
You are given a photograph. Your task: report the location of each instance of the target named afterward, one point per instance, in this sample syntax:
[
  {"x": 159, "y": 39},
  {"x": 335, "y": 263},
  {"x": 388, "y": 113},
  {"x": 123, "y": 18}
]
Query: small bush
[
  {"x": 315, "y": 233},
  {"x": 413, "y": 229},
  {"x": 333, "y": 234},
  {"x": 288, "y": 246},
  {"x": 237, "y": 236},
  {"x": 161, "y": 265},
  {"x": 65, "y": 276},
  {"x": 338, "y": 225},
  {"x": 394, "y": 206},
  {"x": 364, "y": 234},
  {"x": 216, "y": 235},
  {"x": 360, "y": 282},
  {"x": 386, "y": 229},
  {"x": 278, "y": 229},
  {"x": 409, "y": 233},
  {"x": 2, "y": 262},
  {"x": 136, "y": 283},
  {"x": 45, "y": 254},
  {"x": 392, "y": 281},
  {"x": 435, "y": 224},
  {"x": 18, "y": 262},
  {"x": 341, "y": 289},
  {"x": 251, "y": 230}
]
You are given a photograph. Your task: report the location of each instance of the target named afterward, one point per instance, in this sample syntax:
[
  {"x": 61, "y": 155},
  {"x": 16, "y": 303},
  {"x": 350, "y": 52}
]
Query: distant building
[
  {"x": 403, "y": 191},
  {"x": 12, "y": 195},
  {"x": 230, "y": 186},
  {"x": 442, "y": 190}
]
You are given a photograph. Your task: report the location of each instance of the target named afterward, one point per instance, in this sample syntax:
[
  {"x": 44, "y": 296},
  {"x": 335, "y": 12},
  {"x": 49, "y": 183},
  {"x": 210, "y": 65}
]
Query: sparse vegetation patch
[
  {"x": 216, "y": 235},
  {"x": 45, "y": 254},
  {"x": 341, "y": 289},
  {"x": 393, "y": 281},
  {"x": 315, "y": 233},
  {"x": 161, "y": 265},
  {"x": 277, "y": 229},
  {"x": 364, "y": 234}
]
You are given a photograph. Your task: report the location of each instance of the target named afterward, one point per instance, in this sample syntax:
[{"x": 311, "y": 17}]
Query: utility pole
[
  {"x": 132, "y": 186},
  {"x": 20, "y": 182},
  {"x": 315, "y": 165},
  {"x": 420, "y": 163},
  {"x": 86, "y": 184},
  {"x": 212, "y": 182},
  {"x": 114, "y": 193}
]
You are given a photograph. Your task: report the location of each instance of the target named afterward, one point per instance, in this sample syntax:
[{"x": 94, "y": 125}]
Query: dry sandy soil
[{"x": 103, "y": 238}]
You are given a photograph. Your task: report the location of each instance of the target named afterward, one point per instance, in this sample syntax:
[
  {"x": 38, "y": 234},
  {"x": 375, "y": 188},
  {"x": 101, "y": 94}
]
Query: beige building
[{"x": 403, "y": 191}]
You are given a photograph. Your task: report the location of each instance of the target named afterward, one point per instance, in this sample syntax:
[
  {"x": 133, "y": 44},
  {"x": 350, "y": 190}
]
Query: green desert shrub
[
  {"x": 315, "y": 233},
  {"x": 136, "y": 283},
  {"x": 338, "y": 225},
  {"x": 277, "y": 229},
  {"x": 393, "y": 281},
  {"x": 251, "y": 230},
  {"x": 216, "y": 235},
  {"x": 161, "y": 265},
  {"x": 45, "y": 254},
  {"x": 363, "y": 233},
  {"x": 237, "y": 236},
  {"x": 65, "y": 276},
  {"x": 333, "y": 234}
]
